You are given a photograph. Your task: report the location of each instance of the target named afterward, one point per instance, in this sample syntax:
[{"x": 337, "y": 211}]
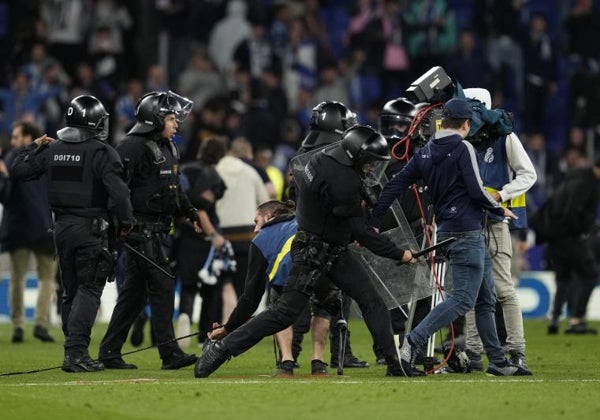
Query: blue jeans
[{"x": 470, "y": 265}]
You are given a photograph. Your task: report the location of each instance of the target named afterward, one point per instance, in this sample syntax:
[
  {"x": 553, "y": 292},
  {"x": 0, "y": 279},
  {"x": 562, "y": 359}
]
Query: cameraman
[{"x": 507, "y": 174}]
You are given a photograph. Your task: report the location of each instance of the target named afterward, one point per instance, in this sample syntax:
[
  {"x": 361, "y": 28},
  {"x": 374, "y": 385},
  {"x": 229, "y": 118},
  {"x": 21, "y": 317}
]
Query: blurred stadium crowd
[{"x": 256, "y": 68}]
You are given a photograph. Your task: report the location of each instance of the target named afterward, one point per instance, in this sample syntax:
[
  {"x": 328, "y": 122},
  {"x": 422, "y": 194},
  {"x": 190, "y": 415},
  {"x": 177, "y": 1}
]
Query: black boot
[
  {"x": 212, "y": 358},
  {"x": 75, "y": 364}
]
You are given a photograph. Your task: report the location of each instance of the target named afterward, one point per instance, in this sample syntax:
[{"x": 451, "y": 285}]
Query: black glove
[
  {"x": 192, "y": 215},
  {"x": 126, "y": 227}
]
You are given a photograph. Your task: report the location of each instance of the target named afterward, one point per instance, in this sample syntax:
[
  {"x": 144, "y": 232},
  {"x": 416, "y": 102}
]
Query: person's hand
[
  {"x": 218, "y": 241},
  {"x": 43, "y": 140},
  {"x": 217, "y": 332},
  {"x": 194, "y": 219},
  {"x": 509, "y": 214},
  {"x": 3, "y": 168},
  {"x": 496, "y": 196},
  {"x": 408, "y": 258}
]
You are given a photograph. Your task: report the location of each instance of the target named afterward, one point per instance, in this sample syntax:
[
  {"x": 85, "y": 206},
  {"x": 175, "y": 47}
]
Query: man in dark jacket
[
  {"x": 26, "y": 229},
  {"x": 449, "y": 167}
]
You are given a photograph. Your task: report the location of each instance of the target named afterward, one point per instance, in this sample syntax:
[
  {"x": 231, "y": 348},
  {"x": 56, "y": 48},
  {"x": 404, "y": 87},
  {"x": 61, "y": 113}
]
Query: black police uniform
[
  {"x": 330, "y": 304},
  {"x": 156, "y": 196},
  {"x": 84, "y": 178},
  {"x": 329, "y": 215}
]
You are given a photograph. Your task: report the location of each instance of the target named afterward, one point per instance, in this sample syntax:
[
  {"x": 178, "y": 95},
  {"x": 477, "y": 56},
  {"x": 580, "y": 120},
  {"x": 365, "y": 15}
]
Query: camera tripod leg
[{"x": 342, "y": 326}]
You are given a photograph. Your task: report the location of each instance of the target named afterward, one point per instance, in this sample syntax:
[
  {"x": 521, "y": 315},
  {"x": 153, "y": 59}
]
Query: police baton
[
  {"x": 427, "y": 250},
  {"x": 433, "y": 247},
  {"x": 148, "y": 260}
]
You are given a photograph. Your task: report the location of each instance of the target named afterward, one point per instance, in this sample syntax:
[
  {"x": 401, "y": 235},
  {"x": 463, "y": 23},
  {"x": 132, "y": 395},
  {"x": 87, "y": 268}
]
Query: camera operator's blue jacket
[{"x": 448, "y": 165}]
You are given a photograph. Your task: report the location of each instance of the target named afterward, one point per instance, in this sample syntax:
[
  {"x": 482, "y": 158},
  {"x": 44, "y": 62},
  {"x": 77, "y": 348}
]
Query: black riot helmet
[
  {"x": 86, "y": 118},
  {"x": 360, "y": 145},
  {"x": 395, "y": 118},
  {"x": 153, "y": 107},
  {"x": 328, "y": 122}
]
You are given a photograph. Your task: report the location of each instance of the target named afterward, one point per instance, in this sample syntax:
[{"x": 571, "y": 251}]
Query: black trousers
[
  {"x": 143, "y": 283},
  {"x": 79, "y": 246},
  {"x": 576, "y": 275},
  {"x": 346, "y": 273},
  {"x": 191, "y": 255}
]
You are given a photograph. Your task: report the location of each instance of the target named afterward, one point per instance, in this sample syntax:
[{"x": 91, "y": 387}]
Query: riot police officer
[
  {"x": 85, "y": 186},
  {"x": 329, "y": 215},
  {"x": 152, "y": 161},
  {"x": 328, "y": 122}
]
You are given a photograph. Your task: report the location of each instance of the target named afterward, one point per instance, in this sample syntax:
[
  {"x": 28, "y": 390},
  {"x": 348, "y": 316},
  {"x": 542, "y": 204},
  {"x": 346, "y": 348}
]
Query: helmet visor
[
  {"x": 393, "y": 126},
  {"x": 373, "y": 171},
  {"x": 173, "y": 103},
  {"x": 102, "y": 127}
]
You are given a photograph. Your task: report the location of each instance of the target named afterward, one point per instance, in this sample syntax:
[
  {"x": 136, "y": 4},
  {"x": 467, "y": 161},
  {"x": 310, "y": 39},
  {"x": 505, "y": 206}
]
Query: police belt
[
  {"x": 311, "y": 238},
  {"x": 87, "y": 213},
  {"x": 96, "y": 223},
  {"x": 152, "y": 224}
]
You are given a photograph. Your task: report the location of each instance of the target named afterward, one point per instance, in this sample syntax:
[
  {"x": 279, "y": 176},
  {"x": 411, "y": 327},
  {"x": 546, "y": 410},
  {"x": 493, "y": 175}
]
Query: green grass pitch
[{"x": 565, "y": 385}]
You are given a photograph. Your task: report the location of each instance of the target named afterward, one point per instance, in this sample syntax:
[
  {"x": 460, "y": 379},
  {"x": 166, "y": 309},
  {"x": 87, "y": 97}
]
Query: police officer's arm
[
  {"x": 254, "y": 288},
  {"x": 347, "y": 199},
  {"x": 108, "y": 167},
  {"x": 379, "y": 244},
  {"x": 186, "y": 208}
]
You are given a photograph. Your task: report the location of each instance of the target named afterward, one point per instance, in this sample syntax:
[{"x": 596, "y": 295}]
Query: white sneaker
[{"x": 183, "y": 329}]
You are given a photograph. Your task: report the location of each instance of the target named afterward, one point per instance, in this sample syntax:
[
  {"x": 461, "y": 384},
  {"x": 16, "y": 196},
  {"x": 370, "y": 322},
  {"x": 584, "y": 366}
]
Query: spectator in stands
[
  {"x": 226, "y": 36},
  {"x": 209, "y": 122},
  {"x": 125, "y": 107},
  {"x": 21, "y": 101},
  {"x": 541, "y": 72},
  {"x": 467, "y": 62},
  {"x": 200, "y": 81}
]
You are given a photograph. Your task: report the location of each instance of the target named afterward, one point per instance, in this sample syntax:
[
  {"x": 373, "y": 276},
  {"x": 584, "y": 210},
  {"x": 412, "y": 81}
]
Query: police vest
[
  {"x": 274, "y": 242},
  {"x": 495, "y": 173},
  {"x": 157, "y": 191},
  {"x": 73, "y": 184}
]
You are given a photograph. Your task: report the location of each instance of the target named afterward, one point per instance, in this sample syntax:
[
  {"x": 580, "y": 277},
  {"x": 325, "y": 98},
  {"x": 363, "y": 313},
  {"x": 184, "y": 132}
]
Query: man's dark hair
[
  {"x": 277, "y": 208},
  {"x": 213, "y": 150},
  {"x": 29, "y": 129},
  {"x": 452, "y": 123}
]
